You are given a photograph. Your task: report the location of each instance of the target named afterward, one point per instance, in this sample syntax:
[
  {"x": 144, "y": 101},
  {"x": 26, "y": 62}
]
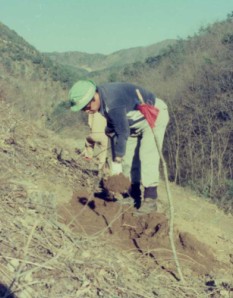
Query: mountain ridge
[{"x": 97, "y": 61}]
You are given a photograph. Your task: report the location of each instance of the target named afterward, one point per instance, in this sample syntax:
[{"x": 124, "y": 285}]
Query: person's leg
[
  {"x": 132, "y": 168},
  {"x": 131, "y": 160},
  {"x": 149, "y": 154}
]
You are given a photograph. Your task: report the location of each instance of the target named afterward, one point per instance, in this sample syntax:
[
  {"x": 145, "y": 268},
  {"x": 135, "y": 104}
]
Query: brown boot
[{"x": 150, "y": 192}]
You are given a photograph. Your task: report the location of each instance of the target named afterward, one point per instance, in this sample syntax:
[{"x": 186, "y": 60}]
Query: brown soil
[
  {"x": 116, "y": 184},
  {"x": 94, "y": 246},
  {"x": 147, "y": 234}
]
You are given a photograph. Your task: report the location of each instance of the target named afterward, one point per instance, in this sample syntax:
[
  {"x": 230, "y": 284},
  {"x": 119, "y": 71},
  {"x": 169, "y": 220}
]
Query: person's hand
[
  {"x": 116, "y": 168},
  {"x": 84, "y": 154}
]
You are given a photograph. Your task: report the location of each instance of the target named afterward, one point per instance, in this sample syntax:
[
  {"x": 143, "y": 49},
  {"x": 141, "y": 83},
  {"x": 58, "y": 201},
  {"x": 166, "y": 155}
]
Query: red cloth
[{"x": 149, "y": 112}]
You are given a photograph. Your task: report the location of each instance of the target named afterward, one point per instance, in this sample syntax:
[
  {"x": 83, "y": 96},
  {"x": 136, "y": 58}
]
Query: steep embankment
[
  {"x": 62, "y": 237},
  {"x": 34, "y": 84}
]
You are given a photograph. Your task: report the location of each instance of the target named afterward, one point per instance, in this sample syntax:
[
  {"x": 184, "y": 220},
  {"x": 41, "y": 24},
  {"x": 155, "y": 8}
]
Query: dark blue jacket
[{"x": 116, "y": 100}]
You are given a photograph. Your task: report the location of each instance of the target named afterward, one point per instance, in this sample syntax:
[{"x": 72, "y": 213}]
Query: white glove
[{"x": 116, "y": 168}]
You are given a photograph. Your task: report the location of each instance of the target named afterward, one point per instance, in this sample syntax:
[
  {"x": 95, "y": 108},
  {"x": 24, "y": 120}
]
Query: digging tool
[{"x": 151, "y": 113}]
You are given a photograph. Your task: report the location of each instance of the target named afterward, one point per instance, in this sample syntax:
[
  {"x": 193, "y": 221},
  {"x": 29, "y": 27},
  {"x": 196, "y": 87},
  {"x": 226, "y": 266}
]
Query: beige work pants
[{"x": 142, "y": 159}]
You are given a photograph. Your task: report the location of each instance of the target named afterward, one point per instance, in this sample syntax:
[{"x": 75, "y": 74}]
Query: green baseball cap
[{"x": 81, "y": 94}]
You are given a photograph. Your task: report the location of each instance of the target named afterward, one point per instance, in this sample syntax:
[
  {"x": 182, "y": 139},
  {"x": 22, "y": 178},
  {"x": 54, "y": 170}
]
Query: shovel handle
[{"x": 139, "y": 95}]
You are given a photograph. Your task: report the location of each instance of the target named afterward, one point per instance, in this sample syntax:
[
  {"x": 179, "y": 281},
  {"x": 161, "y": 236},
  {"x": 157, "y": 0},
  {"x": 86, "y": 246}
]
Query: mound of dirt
[
  {"x": 116, "y": 184},
  {"x": 147, "y": 234}
]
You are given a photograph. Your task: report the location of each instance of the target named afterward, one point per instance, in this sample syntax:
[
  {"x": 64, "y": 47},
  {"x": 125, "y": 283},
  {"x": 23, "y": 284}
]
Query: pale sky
[{"x": 106, "y": 26}]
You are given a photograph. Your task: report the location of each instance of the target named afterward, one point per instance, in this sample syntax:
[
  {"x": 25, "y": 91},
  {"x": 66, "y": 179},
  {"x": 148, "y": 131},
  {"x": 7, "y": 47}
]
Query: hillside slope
[
  {"x": 60, "y": 238},
  {"x": 195, "y": 78},
  {"x": 95, "y": 62},
  {"x": 62, "y": 235},
  {"x": 27, "y": 74},
  {"x": 35, "y": 85}
]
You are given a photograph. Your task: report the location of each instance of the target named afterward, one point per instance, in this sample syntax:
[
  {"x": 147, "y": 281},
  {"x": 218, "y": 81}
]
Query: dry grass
[{"x": 41, "y": 257}]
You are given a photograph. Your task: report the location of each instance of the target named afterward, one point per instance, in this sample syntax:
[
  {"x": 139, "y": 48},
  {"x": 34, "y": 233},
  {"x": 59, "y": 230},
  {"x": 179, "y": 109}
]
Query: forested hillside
[
  {"x": 63, "y": 234},
  {"x": 96, "y": 62},
  {"x": 34, "y": 84},
  {"x": 195, "y": 77}
]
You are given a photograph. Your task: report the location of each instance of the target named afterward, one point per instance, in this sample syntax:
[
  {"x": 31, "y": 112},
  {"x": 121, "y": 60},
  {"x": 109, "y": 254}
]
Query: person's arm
[{"x": 121, "y": 127}]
